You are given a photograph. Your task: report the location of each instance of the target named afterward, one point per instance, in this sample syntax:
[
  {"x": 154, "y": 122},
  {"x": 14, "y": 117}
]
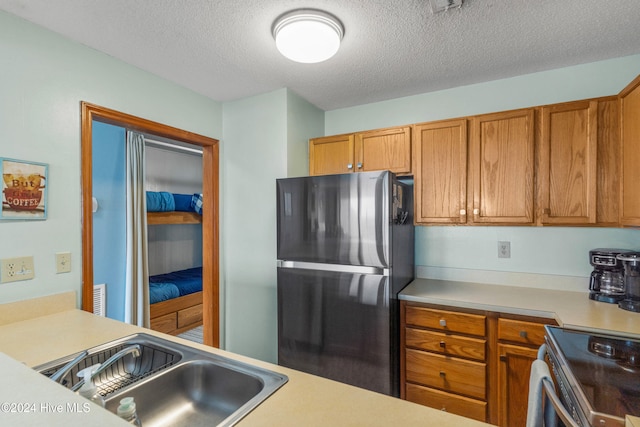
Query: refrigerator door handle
[{"x": 340, "y": 268}]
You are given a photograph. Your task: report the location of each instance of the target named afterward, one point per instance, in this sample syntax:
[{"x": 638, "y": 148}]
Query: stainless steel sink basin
[
  {"x": 176, "y": 385},
  {"x": 196, "y": 393}
]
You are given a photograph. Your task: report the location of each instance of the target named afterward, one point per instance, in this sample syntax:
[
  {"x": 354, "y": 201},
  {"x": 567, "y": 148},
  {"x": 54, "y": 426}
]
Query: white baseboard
[{"x": 506, "y": 278}]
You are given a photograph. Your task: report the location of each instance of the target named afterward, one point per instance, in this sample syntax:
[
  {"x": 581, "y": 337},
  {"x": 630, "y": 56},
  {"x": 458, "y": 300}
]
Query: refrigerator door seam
[{"x": 340, "y": 268}]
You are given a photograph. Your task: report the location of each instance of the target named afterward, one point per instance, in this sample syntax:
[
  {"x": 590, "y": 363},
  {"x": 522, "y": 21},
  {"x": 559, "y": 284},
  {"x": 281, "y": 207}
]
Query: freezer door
[
  {"x": 335, "y": 219},
  {"x": 339, "y": 326}
]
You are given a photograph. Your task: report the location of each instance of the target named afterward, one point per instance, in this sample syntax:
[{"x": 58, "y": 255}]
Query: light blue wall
[
  {"x": 265, "y": 138},
  {"x": 304, "y": 121},
  {"x": 565, "y": 84},
  {"x": 109, "y": 222},
  {"x": 43, "y": 79},
  {"x": 548, "y": 250}
]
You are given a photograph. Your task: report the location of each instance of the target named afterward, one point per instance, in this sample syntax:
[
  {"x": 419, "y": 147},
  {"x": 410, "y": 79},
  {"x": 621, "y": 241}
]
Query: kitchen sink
[
  {"x": 195, "y": 393},
  {"x": 173, "y": 384}
]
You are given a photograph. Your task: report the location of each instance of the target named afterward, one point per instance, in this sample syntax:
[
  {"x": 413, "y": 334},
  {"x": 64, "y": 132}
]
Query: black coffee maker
[
  {"x": 607, "y": 277},
  {"x": 631, "y": 263}
]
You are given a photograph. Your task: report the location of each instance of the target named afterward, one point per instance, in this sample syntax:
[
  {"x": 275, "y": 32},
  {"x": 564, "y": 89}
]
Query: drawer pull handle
[
  {"x": 443, "y": 374},
  {"x": 443, "y": 323},
  {"x": 443, "y": 344},
  {"x": 523, "y": 334}
]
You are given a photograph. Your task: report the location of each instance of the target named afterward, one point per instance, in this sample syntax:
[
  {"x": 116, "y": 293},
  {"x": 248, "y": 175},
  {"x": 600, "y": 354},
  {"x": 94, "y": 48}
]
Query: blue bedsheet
[
  {"x": 159, "y": 292},
  {"x": 187, "y": 281},
  {"x": 183, "y": 202},
  {"x": 160, "y": 201}
]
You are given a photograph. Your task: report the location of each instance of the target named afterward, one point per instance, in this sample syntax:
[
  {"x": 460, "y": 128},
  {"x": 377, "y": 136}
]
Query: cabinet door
[
  {"x": 513, "y": 384},
  {"x": 440, "y": 168},
  {"x": 567, "y": 163},
  {"x": 608, "y": 163},
  {"x": 331, "y": 154},
  {"x": 501, "y": 164},
  {"x": 630, "y": 175},
  {"x": 384, "y": 149}
]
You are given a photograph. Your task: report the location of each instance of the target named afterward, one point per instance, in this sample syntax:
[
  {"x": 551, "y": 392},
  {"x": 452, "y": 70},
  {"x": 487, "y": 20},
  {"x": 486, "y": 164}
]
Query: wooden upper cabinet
[
  {"x": 384, "y": 149},
  {"x": 630, "y": 173},
  {"x": 440, "y": 168},
  {"x": 501, "y": 168},
  {"x": 567, "y": 163},
  {"x": 331, "y": 154},
  {"x": 608, "y": 163}
]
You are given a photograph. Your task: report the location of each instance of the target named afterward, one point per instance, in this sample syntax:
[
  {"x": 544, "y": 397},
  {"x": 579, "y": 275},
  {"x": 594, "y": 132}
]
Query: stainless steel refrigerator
[{"x": 345, "y": 250}]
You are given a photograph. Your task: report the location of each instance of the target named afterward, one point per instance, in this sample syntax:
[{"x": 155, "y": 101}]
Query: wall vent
[{"x": 100, "y": 299}]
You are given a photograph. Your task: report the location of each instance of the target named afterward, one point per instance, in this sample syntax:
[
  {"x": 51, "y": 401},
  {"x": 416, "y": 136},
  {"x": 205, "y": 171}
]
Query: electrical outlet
[
  {"x": 504, "y": 249},
  {"x": 63, "y": 262},
  {"x": 16, "y": 269}
]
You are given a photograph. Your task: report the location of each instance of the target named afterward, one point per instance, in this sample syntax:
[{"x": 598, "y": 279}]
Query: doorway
[{"x": 210, "y": 212}]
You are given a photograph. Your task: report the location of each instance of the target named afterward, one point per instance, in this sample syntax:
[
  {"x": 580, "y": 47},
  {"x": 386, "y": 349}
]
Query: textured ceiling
[{"x": 223, "y": 48}]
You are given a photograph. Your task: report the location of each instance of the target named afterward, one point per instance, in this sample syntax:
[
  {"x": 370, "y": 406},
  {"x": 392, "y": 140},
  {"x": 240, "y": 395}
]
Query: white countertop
[
  {"x": 570, "y": 309},
  {"x": 305, "y": 400}
]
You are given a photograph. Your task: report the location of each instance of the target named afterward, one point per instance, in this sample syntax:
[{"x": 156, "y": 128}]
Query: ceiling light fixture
[
  {"x": 307, "y": 35},
  {"x": 438, "y": 6}
]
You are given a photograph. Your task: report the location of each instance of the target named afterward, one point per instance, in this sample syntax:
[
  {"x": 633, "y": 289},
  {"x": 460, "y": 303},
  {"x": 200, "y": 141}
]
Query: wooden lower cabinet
[
  {"x": 449, "y": 402},
  {"x": 518, "y": 343},
  {"x": 444, "y": 359},
  {"x": 513, "y": 379},
  {"x": 469, "y": 362}
]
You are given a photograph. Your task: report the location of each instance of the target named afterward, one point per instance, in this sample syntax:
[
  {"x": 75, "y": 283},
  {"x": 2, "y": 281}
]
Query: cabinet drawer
[
  {"x": 451, "y": 345},
  {"x": 190, "y": 315},
  {"x": 448, "y": 402},
  {"x": 446, "y": 373},
  {"x": 450, "y": 321},
  {"x": 521, "y": 332},
  {"x": 167, "y": 323}
]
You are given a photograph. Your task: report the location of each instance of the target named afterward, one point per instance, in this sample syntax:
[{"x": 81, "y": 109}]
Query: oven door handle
[{"x": 561, "y": 412}]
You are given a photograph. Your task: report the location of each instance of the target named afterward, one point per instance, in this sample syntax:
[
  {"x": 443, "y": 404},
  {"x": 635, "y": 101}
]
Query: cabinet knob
[
  {"x": 476, "y": 211},
  {"x": 523, "y": 334},
  {"x": 359, "y": 165},
  {"x": 443, "y": 344},
  {"x": 503, "y": 358},
  {"x": 443, "y": 323},
  {"x": 463, "y": 212},
  {"x": 444, "y": 409},
  {"x": 349, "y": 165},
  {"x": 443, "y": 374}
]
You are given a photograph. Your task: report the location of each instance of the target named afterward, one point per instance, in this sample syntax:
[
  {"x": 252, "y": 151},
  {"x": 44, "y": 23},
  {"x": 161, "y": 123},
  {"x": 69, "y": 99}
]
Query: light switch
[{"x": 63, "y": 262}]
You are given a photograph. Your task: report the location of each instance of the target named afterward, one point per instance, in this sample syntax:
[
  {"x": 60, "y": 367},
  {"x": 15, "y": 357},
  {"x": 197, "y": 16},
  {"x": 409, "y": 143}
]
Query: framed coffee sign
[{"x": 24, "y": 189}]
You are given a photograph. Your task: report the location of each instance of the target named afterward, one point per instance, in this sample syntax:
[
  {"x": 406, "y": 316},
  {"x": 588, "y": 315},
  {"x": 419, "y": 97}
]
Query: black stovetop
[{"x": 606, "y": 367}]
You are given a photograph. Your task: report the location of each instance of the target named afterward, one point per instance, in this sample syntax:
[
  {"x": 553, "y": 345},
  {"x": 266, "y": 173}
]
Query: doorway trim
[{"x": 210, "y": 212}]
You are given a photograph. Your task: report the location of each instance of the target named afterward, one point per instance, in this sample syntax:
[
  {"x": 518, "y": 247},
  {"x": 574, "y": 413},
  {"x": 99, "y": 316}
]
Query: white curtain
[{"x": 136, "y": 310}]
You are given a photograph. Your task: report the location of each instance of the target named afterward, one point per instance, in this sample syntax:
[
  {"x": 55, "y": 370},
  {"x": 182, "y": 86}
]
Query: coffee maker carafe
[
  {"x": 631, "y": 263},
  {"x": 607, "y": 278}
]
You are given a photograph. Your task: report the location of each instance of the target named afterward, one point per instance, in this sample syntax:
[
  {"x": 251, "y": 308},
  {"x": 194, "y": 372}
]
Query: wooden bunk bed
[
  {"x": 173, "y": 217},
  {"x": 177, "y": 315},
  {"x": 182, "y": 313}
]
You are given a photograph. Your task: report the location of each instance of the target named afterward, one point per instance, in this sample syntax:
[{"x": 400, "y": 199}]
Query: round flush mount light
[{"x": 307, "y": 35}]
